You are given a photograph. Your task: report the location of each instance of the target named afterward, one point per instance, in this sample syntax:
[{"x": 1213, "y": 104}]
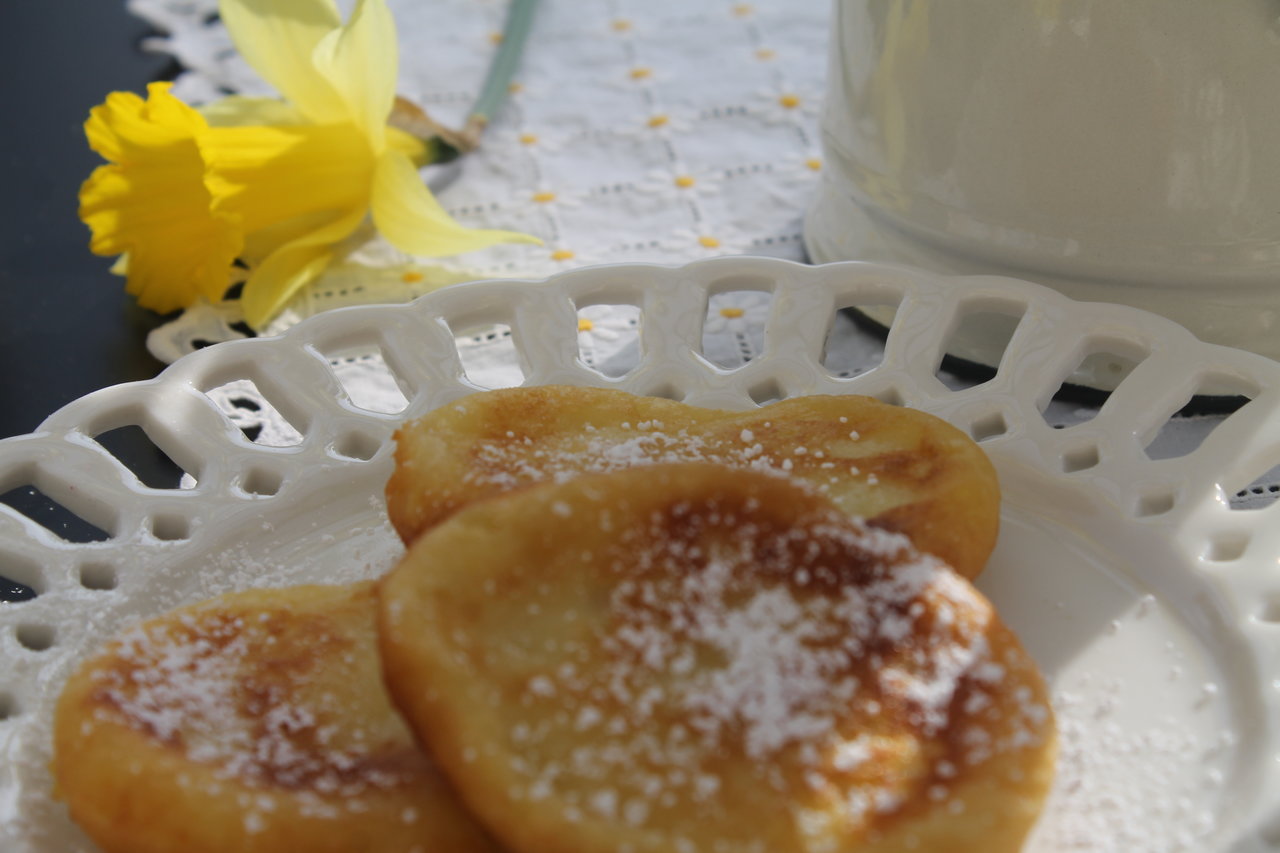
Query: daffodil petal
[
  {"x": 151, "y": 203},
  {"x": 261, "y": 243},
  {"x": 269, "y": 175},
  {"x": 417, "y": 149},
  {"x": 178, "y": 250},
  {"x": 274, "y": 282},
  {"x": 121, "y": 127},
  {"x": 411, "y": 219},
  {"x": 125, "y": 127},
  {"x": 278, "y": 38},
  {"x": 238, "y": 110},
  {"x": 104, "y": 128},
  {"x": 360, "y": 63}
]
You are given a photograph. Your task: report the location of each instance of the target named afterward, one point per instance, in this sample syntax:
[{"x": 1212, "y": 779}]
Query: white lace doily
[
  {"x": 655, "y": 131},
  {"x": 1150, "y": 603}
]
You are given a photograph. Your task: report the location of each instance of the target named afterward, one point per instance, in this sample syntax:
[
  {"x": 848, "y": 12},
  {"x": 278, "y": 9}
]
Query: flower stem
[
  {"x": 443, "y": 144},
  {"x": 514, "y": 34}
]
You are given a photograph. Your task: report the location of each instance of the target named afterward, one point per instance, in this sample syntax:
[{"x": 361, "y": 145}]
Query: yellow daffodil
[
  {"x": 150, "y": 202},
  {"x": 276, "y": 183}
]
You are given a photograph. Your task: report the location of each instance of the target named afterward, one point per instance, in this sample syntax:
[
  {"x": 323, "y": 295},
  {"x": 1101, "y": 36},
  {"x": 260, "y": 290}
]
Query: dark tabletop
[{"x": 66, "y": 324}]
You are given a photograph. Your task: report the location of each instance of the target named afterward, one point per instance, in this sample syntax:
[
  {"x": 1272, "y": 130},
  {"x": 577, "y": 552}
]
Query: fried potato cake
[
  {"x": 254, "y": 722},
  {"x": 698, "y": 658},
  {"x": 901, "y": 469}
]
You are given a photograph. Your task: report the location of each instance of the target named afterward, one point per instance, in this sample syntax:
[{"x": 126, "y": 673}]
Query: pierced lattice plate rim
[{"x": 1151, "y": 603}]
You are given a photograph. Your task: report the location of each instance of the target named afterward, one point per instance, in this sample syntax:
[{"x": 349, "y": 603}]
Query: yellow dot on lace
[
  {"x": 731, "y": 313},
  {"x": 709, "y": 242},
  {"x": 790, "y": 101},
  {"x": 813, "y": 163},
  {"x": 743, "y": 9},
  {"x": 496, "y": 38},
  {"x": 641, "y": 73},
  {"x": 562, "y": 255},
  {"x": 622, "y": 25},
  {"x": 528, "y": 138},
  {"x": 514, "y": 88},
  {"x": 412, "y": 277},
  {"x": 658, "y": 121},
  {"x": 544, "y": 197},
  {"x": 585, "y": 325},
  {"x": 766, "y": 53},
  {"x": 685, "y": 181}
]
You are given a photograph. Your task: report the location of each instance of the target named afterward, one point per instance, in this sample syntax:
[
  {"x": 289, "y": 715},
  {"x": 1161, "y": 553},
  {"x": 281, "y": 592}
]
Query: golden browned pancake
[
  {"x": 901, "y": 469},
  {"x": 254, "y": 722},
  {"x": 697, "y": 658}
]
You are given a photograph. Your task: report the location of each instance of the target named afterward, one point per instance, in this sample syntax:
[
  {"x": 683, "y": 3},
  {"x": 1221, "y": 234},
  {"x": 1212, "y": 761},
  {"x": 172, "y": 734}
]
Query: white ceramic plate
[{"x": 1153, "y": 607}]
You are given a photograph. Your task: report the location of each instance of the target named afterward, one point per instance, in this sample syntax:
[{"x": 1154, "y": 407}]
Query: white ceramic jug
[{"x": 1117, "y": 150}]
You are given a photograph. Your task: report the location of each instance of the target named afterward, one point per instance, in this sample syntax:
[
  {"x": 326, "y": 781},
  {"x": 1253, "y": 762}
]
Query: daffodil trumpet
[{"x": 275, "y": 184}]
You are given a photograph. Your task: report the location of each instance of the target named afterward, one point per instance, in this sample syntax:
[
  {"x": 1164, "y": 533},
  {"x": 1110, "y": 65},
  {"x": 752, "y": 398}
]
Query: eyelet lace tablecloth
[
  {"x": 656, "y": 131},
  {"x": 648, "y": 132}
]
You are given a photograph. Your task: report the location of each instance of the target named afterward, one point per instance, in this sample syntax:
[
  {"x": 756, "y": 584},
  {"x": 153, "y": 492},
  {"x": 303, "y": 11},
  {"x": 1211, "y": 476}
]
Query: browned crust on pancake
[
  {"x": 253, "y": 722},
  {"x": 902, "y": 469},
  {"x": 525, "y": 612}
]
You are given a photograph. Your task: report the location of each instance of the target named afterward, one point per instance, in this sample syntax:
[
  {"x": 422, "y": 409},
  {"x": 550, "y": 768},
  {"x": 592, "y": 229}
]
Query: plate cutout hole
[
  {"x": 1270, "y": 611},
  {"x": 766, "y": 392},
  {"x": 261, "y": 482},
  {"x": 846, "y": 354},
  {"x": 21, "y": 579},
  {"x": 891, "y": 397},
  {"x": 136, "y": 451},
  {"x": 369, "y": 382},
  {"x": 8, "y": 707},
  {"x": 973, "y": 352},
  {"x": 249, "y": 409},
  {"x": 170, "y": 528},
  {"x": 53, "y": 516},
  {"x": 609, "y": 338},
  {"x": 490, "y": 358},
  {"x": 357, "y": 445},
  {"x": 37, "y": 638},
  {"x": 1226, "y": 547},
  {"x": 1262, "y": 491},
  {"x": 1155, "y": 503},
  {"x": 99, "y": 576},
  {"x": 988, "y": 427},
  {"x": 1089, "y": 385},
  {"x": 12, "y": 592},
  {"x": 1080, "y": 459},
  {"x": 1185, "y": 430},
  {"x": 733, "y": 331},
  {"x": 666, "y": 391},
  {"x": 1269, "y": 831}
]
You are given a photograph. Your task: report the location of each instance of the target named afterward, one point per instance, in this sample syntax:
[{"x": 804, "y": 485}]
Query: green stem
[
  {"x": 505, "y": 62},
  {"x": 443, "y": 145}
]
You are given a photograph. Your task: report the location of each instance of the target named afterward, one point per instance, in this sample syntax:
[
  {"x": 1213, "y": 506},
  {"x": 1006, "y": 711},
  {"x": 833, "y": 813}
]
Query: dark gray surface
[{"x": 66, "y": 325}]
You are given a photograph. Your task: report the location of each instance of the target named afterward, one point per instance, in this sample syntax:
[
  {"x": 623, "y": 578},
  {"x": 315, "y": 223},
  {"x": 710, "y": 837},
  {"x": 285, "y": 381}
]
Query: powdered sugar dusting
[
  {"x": 1111, "y": 776},
  {"x": 508, "y": 463},
  {"x": 334, "y": 536},
  {"x": 195, "y": 686},
  {"x": 777, "y": 643},
  {"x": 788, "y": 668}
]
